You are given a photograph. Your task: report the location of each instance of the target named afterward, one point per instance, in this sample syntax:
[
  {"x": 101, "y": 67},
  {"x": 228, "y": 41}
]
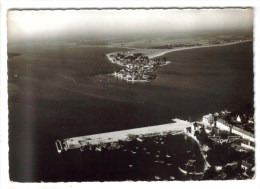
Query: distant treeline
[{"x": 175, "y": 45}]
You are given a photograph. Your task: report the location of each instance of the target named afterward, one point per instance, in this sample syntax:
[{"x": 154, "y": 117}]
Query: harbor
[
  {"x": 92, "y": 94},
  {"x": 177, "y": 127}
]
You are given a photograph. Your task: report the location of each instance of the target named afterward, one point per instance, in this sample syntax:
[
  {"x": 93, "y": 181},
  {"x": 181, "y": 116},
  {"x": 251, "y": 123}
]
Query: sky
[{"x": 61, "y": 24}]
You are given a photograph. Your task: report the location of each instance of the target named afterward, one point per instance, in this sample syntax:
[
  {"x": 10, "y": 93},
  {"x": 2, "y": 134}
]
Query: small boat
[
  {"x": 191, "y": 167},
  {"x": 172, "y": 177},
  {"x": 198, "y": 173},
  {"x": 98, "y": 149},
  {"x": 139, "y": 139},
  {"x": 183, "y": 171},
  {"x": 157, "y": 177},
  {"x": 59, "y": 146},
  {"x": 192, "y": 160}
]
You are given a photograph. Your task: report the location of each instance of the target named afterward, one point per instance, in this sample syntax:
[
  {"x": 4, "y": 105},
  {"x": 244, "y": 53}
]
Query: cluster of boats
[
  {"x": 190, "y": 168},
  {"x": 152, "y": 147}
]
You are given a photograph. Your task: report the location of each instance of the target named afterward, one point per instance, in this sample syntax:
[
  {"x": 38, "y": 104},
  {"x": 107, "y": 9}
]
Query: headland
[{"x": 141, "y": 64}]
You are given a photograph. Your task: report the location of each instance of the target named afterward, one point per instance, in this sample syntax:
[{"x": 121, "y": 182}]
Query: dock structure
[{"x": 177, "y": 127}]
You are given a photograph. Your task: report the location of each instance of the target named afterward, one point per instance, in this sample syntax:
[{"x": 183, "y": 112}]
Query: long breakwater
[{"x": 177, "y": 127}]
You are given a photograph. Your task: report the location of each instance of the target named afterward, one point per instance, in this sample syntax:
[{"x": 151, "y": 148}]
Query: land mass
[
  {"x": 140, "y": 64},
  {"x": 138, "y": 67}
]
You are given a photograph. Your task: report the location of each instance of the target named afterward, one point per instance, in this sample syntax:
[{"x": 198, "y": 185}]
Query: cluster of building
[
  {"x": 137, "y": 66},
  {"x": 234, "y": 125},
  {"x": 227, "y": 128}
]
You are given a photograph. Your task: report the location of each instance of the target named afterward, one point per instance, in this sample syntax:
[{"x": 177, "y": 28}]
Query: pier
[{"x": 177, "y": 127}]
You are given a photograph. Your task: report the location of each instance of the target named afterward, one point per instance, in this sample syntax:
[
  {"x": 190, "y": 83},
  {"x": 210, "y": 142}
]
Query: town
[
  {"x": 227, "y": 143},
  {"x": 138, "y": 67}
]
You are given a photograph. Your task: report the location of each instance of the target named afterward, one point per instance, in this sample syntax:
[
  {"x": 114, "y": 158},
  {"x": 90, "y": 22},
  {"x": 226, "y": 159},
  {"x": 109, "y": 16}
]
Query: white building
[
  {"x": 244, "y": 134},
  {"x": 208, "y": 120},
  {"x": 238, "y": 119},
  {"x": 223, "y": 125}
]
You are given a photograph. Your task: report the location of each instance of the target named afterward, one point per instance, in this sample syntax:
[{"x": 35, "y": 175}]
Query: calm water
[{"x": 65, "y": 91}]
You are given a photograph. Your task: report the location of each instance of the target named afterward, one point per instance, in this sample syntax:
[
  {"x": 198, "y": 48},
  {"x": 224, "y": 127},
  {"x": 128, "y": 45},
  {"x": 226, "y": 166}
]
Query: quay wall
[{"x": 177, "y": 127}]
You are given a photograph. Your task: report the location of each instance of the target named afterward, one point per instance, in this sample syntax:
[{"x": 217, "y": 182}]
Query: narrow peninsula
[{"x": 140, "y": 64}]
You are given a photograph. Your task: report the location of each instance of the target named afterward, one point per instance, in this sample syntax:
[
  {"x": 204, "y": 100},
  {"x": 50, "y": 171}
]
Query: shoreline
[
  {"x": 206, "y": 163},
  {"x": 161, "y": 52},
  {"x": 165, "y": 51},
  {"x": 153, "y": 53},
  {"x": 132, "y": 81}
]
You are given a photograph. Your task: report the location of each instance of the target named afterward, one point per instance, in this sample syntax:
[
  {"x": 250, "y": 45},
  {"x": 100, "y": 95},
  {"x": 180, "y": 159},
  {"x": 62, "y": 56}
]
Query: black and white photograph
[
  {"x": 116, "y": 95},
  {"x": 157, "y": 94}
]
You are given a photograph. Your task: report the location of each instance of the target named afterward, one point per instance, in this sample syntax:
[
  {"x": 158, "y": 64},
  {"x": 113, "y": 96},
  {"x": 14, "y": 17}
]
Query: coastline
[
  {"x": 128, "y": 80},
  {"x": 206, "y": 163},
  {"x": 153, "y": 53},
  {"x": 165, "y": 51}
]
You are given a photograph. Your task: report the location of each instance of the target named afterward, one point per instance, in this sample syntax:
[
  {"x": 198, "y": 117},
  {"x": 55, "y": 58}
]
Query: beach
[
  {"x": 165, "y": 51},
  {"x": 153, "y": 53}
]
